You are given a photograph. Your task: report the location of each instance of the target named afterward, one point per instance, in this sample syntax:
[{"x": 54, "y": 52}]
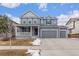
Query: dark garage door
[{"x": 49, "y": 34}]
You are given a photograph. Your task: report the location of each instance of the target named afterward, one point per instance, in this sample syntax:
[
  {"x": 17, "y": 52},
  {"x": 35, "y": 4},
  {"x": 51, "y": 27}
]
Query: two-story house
[
  {"x": 42, "y": 27},
  {"x": 73, "y": 26}
]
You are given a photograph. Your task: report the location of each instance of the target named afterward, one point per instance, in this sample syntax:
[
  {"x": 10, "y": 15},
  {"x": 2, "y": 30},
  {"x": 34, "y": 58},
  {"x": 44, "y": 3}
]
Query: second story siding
[
  {"x": 29, "y": 21},
  {"x": 48, "y": 21},
  {"x": 35, "y": 20}
]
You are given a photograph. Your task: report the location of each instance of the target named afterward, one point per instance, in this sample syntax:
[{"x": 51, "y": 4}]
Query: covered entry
[{"x": 48, "y": 33}]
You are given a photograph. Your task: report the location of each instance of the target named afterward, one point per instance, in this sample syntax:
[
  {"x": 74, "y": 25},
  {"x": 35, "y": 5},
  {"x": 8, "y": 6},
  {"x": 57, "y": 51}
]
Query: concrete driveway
[{"x": 60, "y": 47}]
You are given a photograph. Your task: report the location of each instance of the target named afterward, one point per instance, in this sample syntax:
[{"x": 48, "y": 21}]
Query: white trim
[
  {"x": 49, "y": 30},
  {"x": 31, "y": 30}
]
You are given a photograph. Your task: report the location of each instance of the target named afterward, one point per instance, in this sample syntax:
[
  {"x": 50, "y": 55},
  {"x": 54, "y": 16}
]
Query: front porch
[{"x": 27, "y": 31}]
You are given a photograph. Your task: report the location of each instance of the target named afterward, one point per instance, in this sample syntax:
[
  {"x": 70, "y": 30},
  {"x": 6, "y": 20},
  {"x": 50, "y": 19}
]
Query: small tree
[{"x": 6, "y": 26}]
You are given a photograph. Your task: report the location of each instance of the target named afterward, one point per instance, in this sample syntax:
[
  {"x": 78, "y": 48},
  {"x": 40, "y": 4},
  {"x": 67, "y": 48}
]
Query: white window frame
[{"x": 30, "y": 21}]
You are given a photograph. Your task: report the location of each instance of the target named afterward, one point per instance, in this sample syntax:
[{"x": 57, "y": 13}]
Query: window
[
  {"x": 34, "y": 22},
  {"x": 24, "y": 29},
  {"x": 48, "y": 21},
  {"x": 54, "y": 22},
  {"x": 29, "y": 22},
  {"x": 42, "y": 22},
  {"x": 24, "y": 22}
]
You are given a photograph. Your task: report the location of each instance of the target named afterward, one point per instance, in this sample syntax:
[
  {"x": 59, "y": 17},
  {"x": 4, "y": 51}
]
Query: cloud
[
  {"x": 43, "y": 6},
  {"x": 10, "y": 5},
  {"x": 16, "y": 19},
  {"x": 62, "y": 19},
  {"x": 74, "y": 14}
]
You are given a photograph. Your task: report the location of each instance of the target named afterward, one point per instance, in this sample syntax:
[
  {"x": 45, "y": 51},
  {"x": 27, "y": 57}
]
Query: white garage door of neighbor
[{"x": 49, "y": 34}]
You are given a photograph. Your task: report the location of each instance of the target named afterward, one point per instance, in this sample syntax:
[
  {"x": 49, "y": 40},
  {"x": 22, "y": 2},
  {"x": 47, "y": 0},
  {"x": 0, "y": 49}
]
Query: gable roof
[
  {"x": 72, "y": 19},
  {"x": 29, "y": 14}
]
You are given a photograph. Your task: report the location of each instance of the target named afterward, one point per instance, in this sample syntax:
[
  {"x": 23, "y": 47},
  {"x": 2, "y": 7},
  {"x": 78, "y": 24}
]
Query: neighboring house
[
  {"x": 43, "y": 27},
  {"x": 73, "y": 26}
]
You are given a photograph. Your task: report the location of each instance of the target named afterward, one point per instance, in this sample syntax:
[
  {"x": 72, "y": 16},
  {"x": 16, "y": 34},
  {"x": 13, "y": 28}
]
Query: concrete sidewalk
[{"x": 14, "y": 47}]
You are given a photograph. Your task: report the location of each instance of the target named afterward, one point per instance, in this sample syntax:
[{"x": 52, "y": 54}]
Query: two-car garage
[
  {"x": 53, "y": 33},
  {"x": 49, "y": 33}
]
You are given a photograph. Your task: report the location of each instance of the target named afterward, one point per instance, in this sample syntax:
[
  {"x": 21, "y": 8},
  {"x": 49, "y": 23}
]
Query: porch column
[
  {"x": 38, "y": 31},
  {"x": 31, "y": 31}
]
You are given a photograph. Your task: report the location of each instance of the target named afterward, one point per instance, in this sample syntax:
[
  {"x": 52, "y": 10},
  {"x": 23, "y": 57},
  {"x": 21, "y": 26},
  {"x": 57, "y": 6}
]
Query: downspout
[{"x": 73, "y": 24}]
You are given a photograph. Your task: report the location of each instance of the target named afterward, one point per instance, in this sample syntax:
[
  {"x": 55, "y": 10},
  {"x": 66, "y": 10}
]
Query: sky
[{"x": 63, "y": 11}]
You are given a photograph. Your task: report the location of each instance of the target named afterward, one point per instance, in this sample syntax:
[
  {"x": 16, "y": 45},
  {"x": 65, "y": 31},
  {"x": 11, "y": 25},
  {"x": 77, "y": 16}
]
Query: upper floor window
[
  {"x": 24, "y": 22},
  {"x": 48, "y": 21},
  {"x": 34, "y": 22},
  {"x": 29, "y": 22},
  {"x": 42, "y": 21},
  {"x": 54, "y": 22}
]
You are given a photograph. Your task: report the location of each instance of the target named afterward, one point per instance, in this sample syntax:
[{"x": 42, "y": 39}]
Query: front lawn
[
  {"x": 14, "y": 52},
  {"x": 18, "y": 42}
]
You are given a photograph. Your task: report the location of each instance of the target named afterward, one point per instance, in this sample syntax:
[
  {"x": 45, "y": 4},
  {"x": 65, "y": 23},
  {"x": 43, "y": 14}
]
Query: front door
[{"x": 35, "y": 31}]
